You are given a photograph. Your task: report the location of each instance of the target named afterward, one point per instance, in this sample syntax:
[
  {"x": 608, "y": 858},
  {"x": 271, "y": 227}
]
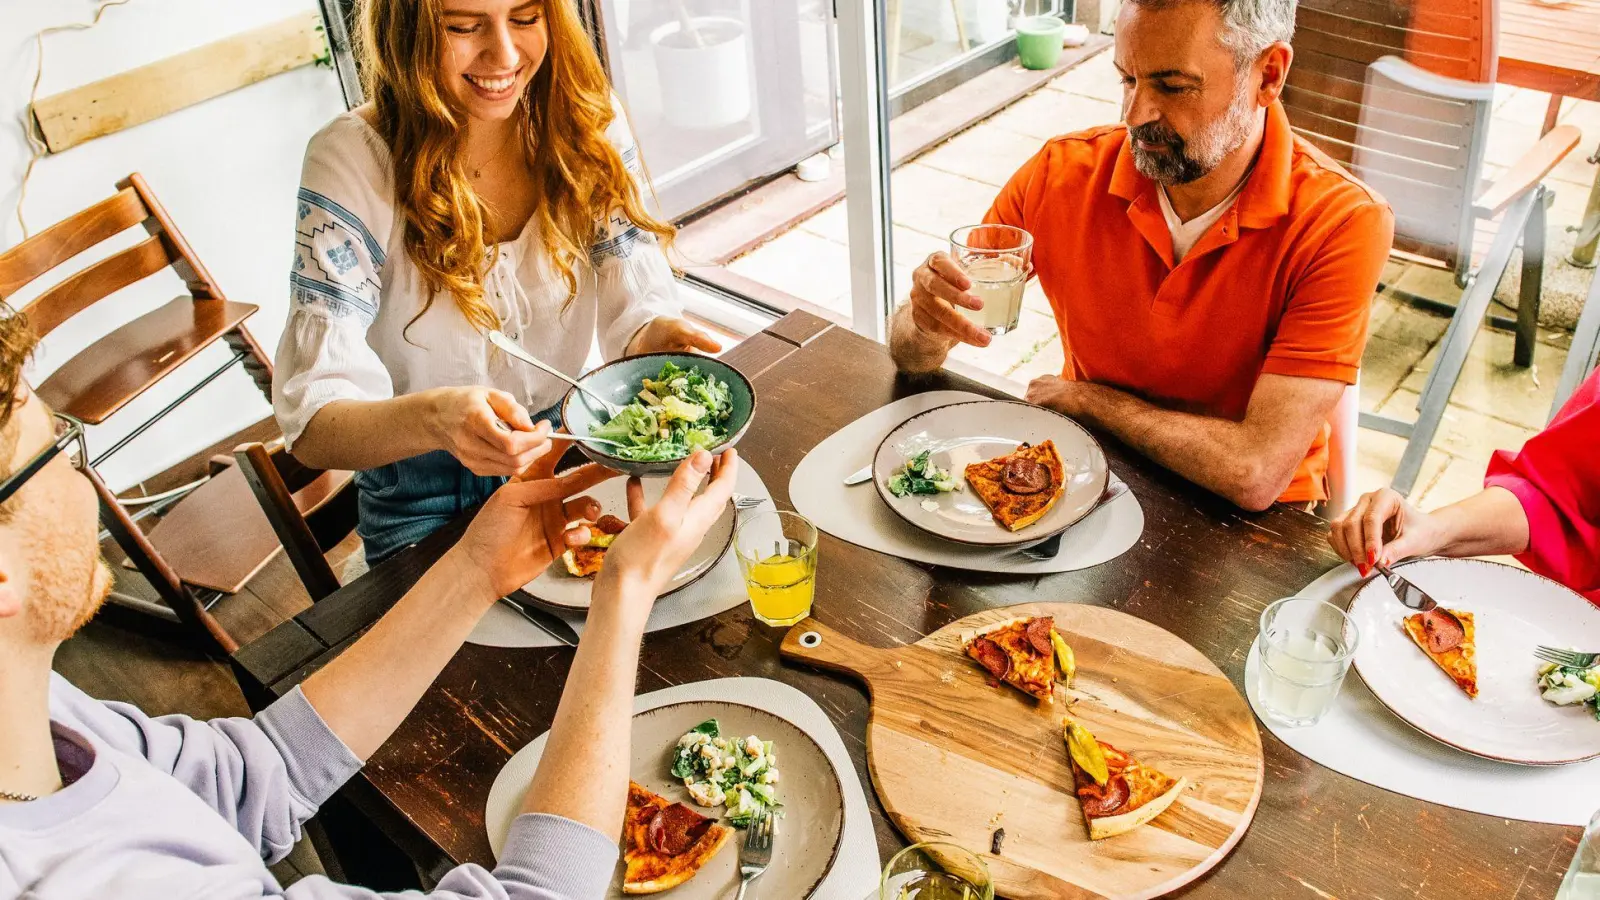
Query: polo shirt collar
[{"x": 1265, "y": 197}]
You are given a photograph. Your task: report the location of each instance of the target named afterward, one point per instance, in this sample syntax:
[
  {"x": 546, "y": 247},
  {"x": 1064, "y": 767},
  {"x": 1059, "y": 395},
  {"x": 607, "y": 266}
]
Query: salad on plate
[
  {"x": 738, "y": 773},
  {"x": 679, "y": 411}
]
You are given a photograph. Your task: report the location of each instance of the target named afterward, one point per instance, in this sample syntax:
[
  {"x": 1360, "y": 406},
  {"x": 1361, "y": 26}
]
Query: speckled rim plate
[
  {"x": 977, "y": 430},
  {"x": 812, "y": 828},
  {"x": 1514, "y": 610}
]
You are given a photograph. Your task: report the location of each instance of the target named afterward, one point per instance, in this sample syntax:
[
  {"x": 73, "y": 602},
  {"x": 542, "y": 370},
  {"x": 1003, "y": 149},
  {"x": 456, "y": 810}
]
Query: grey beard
[{"x": 1186, "y": 161}]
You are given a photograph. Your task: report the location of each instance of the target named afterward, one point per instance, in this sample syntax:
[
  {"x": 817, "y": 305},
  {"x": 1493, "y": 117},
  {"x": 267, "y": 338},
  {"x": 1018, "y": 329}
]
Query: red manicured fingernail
[
  {"x": 1372, "y": 557},
  {"x": 1363, "y": 570}
]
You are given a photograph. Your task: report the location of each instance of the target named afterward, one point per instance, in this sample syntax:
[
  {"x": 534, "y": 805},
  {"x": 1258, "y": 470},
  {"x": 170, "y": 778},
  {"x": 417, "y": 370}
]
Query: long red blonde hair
[{"x": 564, "y": 114}]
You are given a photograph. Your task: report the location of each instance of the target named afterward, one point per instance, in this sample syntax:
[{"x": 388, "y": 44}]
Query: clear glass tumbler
[
  {"x": 777, "y": 552},
  {"x": 999, "y": 260},
  {"x": 936, "y": 871},
  {"x": 1305, "y": 648},
  {"x": 1583, "y": 876}
]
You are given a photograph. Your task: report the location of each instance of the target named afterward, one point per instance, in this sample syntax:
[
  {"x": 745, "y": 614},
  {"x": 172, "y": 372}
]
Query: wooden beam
[{"x": 136, "y": 96}]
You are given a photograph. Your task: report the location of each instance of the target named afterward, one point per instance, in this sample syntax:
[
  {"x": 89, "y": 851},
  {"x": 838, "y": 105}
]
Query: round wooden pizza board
[{"x": 953, "y": 757}]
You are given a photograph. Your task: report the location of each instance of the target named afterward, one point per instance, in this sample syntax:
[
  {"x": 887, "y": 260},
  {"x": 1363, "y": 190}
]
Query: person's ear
[
  {"x": 1273, "y": 71},
  {"x": 12, "y": 591}
]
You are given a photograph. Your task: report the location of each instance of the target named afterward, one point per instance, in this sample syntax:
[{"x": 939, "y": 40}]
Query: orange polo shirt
[{"x": 1281, "y": 283}]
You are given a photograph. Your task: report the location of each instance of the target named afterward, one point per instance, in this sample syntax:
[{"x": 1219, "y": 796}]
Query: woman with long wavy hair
[{"x": 490, "y": 183}]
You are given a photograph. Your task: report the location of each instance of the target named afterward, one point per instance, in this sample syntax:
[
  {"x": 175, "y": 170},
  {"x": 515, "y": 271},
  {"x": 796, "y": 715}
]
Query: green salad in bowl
[{"x": 672, "y": 404}]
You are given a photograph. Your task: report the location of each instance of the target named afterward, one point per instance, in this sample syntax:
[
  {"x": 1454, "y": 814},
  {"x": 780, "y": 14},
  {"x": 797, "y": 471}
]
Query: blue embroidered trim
[
  {"x": 618, "y": 246},
  {"x": 345, "y": 216},
  {"x": 340, "y": 301}
]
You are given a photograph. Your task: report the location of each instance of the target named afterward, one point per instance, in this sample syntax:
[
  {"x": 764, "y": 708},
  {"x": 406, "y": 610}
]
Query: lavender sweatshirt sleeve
[{"x": 266, "y": 776}]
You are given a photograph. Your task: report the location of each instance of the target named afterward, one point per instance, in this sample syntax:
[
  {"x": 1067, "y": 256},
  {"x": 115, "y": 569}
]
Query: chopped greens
[
  {"x": 920, "y": 476},
  {"x": 739, "y": 773},
  {"x": 672, "y": 415},
  {"x": 1566, "y": 685}
]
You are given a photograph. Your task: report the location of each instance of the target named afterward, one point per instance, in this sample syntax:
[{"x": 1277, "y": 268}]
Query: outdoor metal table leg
[{"x": 1589, "y": 231}]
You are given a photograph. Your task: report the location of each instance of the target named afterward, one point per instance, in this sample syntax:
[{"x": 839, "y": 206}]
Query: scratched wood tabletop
[{"x": 1202, "y": 570}]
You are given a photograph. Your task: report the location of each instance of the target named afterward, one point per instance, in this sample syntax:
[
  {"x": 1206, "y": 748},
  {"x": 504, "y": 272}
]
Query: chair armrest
[{"x": 1527, "y": 171}]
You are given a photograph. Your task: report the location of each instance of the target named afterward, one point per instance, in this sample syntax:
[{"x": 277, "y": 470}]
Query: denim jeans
[{"x": 403, "y": 502}]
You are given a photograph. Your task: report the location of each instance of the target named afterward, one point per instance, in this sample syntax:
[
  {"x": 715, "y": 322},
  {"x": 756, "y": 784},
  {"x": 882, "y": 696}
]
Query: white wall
[{"x": 226, "y": 170}]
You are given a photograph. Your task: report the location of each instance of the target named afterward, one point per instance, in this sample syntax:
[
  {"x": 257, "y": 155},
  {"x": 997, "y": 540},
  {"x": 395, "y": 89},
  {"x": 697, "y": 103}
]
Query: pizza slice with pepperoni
[
  {"x": 1018, "y": 652},
  {"x": 664, "y": 844},
  {"x": 1133, "y": 793},
  {"x": 1450, "y": 638}
]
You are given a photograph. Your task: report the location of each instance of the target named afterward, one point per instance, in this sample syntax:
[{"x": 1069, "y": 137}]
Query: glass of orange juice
[{"x": 778, "y": 554}]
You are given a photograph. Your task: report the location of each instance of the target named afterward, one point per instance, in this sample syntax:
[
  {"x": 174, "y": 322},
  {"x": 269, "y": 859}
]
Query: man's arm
[{"x": 1250, "y": 462}]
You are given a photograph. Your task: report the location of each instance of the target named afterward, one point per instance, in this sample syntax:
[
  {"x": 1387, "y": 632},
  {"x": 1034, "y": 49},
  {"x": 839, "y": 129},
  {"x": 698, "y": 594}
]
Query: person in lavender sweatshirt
[{"x": 98, "y": 800}]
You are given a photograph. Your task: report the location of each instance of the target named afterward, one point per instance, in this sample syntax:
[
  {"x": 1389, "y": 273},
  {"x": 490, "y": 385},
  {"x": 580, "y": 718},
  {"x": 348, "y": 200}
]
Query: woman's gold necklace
[{"x": 477, "y": 170}]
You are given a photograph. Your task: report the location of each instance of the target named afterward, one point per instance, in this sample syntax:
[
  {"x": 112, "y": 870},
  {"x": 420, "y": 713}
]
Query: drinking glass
[
  {"x": 1305, "y": 647},
  {"x": 1583, "y": 876},
  {"x": 936, "y": 871},
  {"x": 777, "y": 552},
  {"x": 999, "y": 260}
]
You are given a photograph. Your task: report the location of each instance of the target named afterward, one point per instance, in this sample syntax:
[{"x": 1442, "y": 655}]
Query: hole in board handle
[{"x": 810, "y": 639}]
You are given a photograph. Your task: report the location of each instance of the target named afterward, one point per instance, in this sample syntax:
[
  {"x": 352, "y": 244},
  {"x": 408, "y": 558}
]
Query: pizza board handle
[{"x": 811, "y": 642}]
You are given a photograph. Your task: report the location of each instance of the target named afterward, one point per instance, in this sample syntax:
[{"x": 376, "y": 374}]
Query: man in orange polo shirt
[{"x": 1210, "y": 271}]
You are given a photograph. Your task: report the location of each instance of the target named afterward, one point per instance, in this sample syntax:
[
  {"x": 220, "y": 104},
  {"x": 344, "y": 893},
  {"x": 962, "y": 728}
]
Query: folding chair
[
  {"x": 130, "y": 360},
  {"x": 1584, "y": 354},
  {"x": 1414, "y": 129}
]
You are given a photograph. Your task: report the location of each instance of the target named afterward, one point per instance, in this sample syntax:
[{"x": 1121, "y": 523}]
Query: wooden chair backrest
[
  {"x": 1422, "y": 150},
  {"x": 311, "y": 510},
  {"x": 133, "y": 204}
]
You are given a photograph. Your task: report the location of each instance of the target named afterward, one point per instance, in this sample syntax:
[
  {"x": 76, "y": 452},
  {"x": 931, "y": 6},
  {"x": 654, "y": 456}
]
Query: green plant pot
[{"x": 1039, "y": 41}]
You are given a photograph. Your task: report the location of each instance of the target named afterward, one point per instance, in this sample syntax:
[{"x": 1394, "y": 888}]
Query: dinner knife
[
  {"x": 548, "y": 622},
  {"x": 860, "y": 476}
]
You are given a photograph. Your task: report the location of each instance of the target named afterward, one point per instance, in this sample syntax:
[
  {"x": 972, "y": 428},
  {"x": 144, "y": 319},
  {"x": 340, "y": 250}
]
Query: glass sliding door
[{"x": 722, "y": 93}]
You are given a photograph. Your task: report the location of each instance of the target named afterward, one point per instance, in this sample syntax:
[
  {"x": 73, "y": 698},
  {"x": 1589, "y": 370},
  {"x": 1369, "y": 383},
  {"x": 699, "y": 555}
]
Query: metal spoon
[{"x": 510, "y": 347}]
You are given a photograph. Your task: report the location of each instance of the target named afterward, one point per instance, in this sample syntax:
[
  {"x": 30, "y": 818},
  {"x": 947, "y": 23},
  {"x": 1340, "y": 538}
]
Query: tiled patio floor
[{"x": 1495, "y": 404}]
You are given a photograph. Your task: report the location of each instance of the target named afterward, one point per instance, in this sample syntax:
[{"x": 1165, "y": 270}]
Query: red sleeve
[
  {"x": 1324, "y": 326},
  {"x": 1556, "y": 478}
]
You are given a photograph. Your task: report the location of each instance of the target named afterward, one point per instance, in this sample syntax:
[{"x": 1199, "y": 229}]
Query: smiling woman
[{"x": 492, "y": 183}]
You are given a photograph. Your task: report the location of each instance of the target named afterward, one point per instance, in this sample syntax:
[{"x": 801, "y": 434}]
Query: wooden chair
[
  {"x": 1399, "y": 91},
  {"x": 311, "y": 510},
  {"x": 124, "y": 364}
]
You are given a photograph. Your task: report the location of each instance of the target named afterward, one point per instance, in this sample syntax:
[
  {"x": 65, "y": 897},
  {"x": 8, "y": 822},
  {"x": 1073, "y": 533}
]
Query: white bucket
[{"x": 703, "y": 87}]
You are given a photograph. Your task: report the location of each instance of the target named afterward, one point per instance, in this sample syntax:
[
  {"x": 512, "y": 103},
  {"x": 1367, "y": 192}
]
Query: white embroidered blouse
[{"x": 354, "y": 289}]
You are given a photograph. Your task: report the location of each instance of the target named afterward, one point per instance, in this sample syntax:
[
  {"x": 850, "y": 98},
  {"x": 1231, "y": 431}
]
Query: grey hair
[{"x": 1248, "y": 26}]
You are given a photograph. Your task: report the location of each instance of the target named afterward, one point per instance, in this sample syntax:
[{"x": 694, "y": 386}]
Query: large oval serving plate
[
  {"x": 1514, "y": 611},
  {"x": 557, "y": 587},
  {"x": 964, "y": 433},
  {"x": 808, "y": 835}
]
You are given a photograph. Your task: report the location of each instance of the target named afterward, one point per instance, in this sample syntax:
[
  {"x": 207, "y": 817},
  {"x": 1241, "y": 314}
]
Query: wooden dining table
[{"x": 1202, "y": 569}]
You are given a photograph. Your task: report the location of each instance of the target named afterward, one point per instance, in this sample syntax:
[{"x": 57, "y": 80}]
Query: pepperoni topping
[
  {"x": 1443, "y": 630},
  {"x": 1038, "y": 634},
  {"x": 676, "y": 828},
  {"x": 610, "y": 524},
  {"x": 991, "y": 657},
  {"x": 1103, "y": 799},
  {"x": 1024, "y": 476}
]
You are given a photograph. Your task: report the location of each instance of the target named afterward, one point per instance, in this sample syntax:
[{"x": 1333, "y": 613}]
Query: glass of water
[
  {"x": 1305, "y": 648},
  {"x": 999, "y": 260},
  {"x": 936, "y": 871}
]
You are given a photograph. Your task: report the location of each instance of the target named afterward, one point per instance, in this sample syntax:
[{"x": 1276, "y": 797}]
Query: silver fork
[
  {"x": 757, "y": 852},
  {"x": 1573, "y": 658},
  {"x": 742, "y": 502}
]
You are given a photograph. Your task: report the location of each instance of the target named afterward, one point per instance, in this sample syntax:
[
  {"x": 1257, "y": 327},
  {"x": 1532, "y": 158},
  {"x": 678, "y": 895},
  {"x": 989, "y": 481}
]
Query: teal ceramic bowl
[{"x": 619, "y": 381}]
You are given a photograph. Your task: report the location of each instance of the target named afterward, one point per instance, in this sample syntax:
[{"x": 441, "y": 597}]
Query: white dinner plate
[
  {"x": 808, "y": 835},
  {"x": 1514, "y": 611},
  {"x": 964, "y": 433},
  {"x": 557, "y": 587}
]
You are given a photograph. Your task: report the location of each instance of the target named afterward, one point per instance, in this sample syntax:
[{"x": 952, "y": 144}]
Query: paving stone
[
  {"x": 1491, "y": 385},
  {"x": 798, "y": 262},
  {"x": 1384, "y": 365},
  {"x": 935, "y": 202},
  {"x": 1378, "y": 455},
  {"x": 1046, "y": 114},
  {"x": 990, "y": 154},
  {"x": 1096, "y": 77},
  {"x": 1463, "y": 432},
  {"x": 1460, "y": 479},
  {"x": 1049, "y": 359},
  {"x": 1406, "y": 324}
]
